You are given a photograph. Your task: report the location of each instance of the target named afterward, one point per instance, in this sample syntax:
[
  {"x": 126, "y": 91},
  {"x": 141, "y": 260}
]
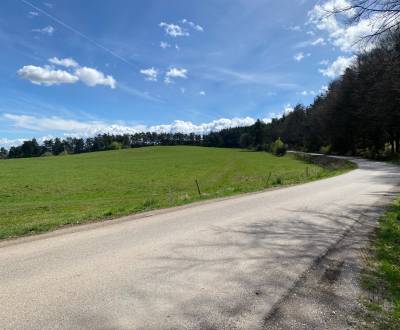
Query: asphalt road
[{"x": 216, "y": 265}]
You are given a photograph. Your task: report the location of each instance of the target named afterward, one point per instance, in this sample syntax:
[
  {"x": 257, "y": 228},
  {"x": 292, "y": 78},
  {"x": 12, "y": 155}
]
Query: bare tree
[{"x": 384, "y": 15}]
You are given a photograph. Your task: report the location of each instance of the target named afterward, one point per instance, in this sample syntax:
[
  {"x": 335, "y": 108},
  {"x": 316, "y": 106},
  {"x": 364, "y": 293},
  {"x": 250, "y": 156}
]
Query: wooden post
[{"x": 198, "y": 187}]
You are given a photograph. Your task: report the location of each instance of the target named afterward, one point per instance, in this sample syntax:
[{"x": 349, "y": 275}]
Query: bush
[
  {"x": 326, "y": 149},
  {"x": 46, "y": 154},
  {"x": 115, "y": 146},
  {"x": 278, "y": 148}
]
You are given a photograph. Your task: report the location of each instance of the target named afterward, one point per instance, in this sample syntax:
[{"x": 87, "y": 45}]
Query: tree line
[
  {"x": 359, "y": 114},
  {"x": 102, "y": 142}
]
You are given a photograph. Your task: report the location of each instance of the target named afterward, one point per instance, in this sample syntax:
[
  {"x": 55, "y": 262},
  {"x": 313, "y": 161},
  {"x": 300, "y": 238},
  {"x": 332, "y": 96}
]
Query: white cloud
[
  {"x": 319, "y": 41},
  {"x": 175, "y": 73},
  {"x": 295, "y": 28},
  {"x": 174, "y": 30},
  {"x": 306, "y": 93},
  {"x": 92, "y": 77},
  {"x": 180, "y": 126},
  {"x": 71, "y": 127},
  {"x": 67, "y": 62},
  {"x": 33, "y": 14},
  {"x": 287, "y": 108},
  {"x": 164, "y": 45},
  {"x": 46, "y": 75},
  {"x": 202, "y": 93},
  {"x": 338, "y": 67},
  {"x": 323, "y": 89},
  {"x": 49, "y": 30},
  {"x": 193, "y": 25},
  {"x": 345, "y": 37},
  {"x": 7, "y": 143},
  {"x": 323, "y": 62},
  {"x": 150, "y": 74},
  {"x": 298, "y": 57}
]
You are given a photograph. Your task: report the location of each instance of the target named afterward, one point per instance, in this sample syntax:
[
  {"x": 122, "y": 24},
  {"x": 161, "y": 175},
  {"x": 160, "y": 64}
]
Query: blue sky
[{"x": 70, "y": 67}]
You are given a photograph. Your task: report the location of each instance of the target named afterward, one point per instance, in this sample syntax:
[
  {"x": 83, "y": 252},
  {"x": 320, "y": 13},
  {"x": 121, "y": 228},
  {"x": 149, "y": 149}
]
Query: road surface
[{"x": 216, "y": 265}]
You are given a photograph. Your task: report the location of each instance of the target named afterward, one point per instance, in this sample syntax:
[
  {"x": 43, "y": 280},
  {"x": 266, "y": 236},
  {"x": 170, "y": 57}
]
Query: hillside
[{"x": 39, "y": 194}]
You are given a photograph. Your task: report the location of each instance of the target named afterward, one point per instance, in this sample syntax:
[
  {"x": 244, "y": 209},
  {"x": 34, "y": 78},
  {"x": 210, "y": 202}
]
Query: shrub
[
  {"x": 115, "y": 146},
  {"x": 278, "y": 148},
  {"x": 326, "y": 149}
]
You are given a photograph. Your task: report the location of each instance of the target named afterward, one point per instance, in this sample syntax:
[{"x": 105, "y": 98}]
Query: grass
[
  {"x": 40, "y": 194},
  {"x": 382, "y": 276}
]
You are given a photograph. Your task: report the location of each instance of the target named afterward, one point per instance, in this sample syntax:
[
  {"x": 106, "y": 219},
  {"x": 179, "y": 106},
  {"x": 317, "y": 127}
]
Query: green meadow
[{"x": 40, "y": 194}]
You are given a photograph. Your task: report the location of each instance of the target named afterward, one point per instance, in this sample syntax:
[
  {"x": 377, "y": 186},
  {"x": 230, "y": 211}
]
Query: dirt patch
[{"x": 331, "y": 163}]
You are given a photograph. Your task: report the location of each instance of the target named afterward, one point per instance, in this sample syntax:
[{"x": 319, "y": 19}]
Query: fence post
[{"x": 198, "y": 187}]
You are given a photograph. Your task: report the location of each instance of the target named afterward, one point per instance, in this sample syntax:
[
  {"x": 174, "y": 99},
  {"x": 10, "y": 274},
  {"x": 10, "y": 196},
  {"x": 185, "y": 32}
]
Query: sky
[{"x": 74, "y": 68}]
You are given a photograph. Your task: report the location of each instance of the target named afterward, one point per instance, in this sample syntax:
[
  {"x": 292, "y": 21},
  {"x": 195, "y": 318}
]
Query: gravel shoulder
[{"x": 328, "y": 295}]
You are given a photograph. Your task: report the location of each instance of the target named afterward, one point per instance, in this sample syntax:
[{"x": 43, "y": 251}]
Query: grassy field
[
  {"x": 39, "y": 194},
  {"x": 382, "y": 275}
]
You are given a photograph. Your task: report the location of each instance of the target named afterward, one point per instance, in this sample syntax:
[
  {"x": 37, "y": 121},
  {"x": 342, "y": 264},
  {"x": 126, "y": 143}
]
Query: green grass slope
[
  {"x": 39, "y": 194},
  {"x": 382, "y": 273}
]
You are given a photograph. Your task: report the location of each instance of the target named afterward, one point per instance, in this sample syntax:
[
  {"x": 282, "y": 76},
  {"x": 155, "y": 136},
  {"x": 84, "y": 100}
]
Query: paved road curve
[{"x": 217, "y": 265}]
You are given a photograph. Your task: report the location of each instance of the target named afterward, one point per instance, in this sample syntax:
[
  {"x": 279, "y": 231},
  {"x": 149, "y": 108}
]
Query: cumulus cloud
[
  {"x": 46, "y": 75},
  {"x": 345, "y": 37},
  {"x": 338, "y": 67},
  {"x": 298, "y": 57},
  {"x": 67, "y": 62},
  {"x": 150, "y": 74},
  {"x": 175, "y": 73},
  {"x": 49, "y": 30},
  {"x": 71, "y": 127},
  {"x": 92, "y": 77},
  {"x": 194, "y": 26},
  {"x": 174, "y": 30},
  {"x": 202, "y": 93}
]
